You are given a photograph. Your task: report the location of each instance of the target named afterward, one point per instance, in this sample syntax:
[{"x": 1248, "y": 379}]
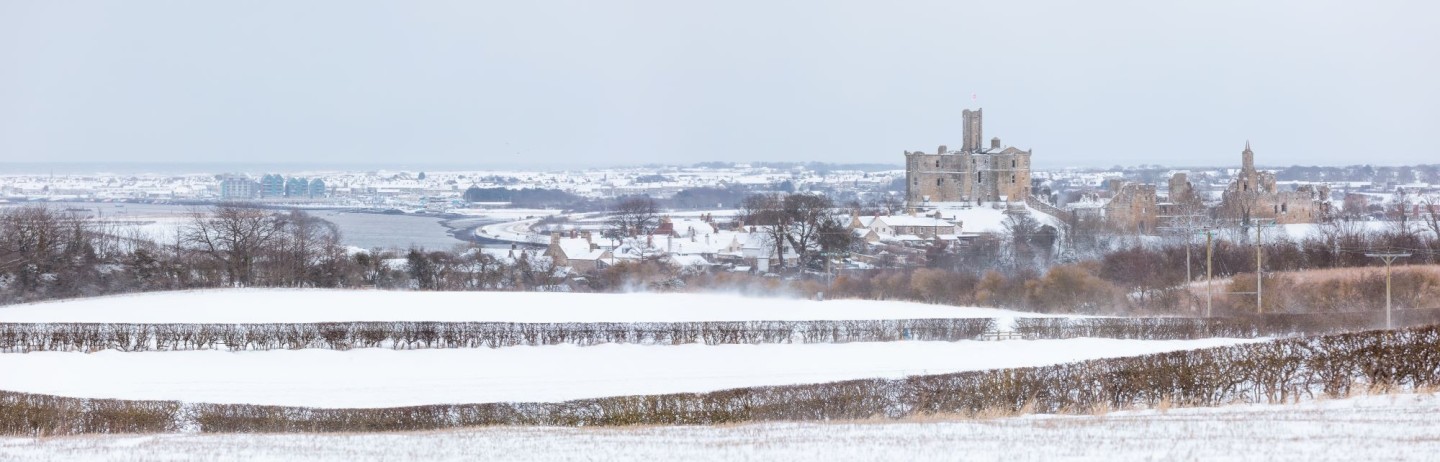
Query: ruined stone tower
[
  {"x": 1247, "y": 158},
  {"x": 1254, "y": 195},
  {"x": 975, "y": 173},
  {"x": 971, "y": 130}
]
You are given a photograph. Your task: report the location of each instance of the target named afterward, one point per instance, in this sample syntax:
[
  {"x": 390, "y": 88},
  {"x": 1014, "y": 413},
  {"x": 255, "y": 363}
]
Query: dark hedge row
[
  {"x": 1267, "y": 325},
  {"x": 25, "y": 337},
  {"x": 1253, "y": 373}
]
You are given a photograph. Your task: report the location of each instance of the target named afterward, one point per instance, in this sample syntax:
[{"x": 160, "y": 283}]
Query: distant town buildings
[
  {"x": 237, "y": 188},
  {"x": 270, "y": 186}
]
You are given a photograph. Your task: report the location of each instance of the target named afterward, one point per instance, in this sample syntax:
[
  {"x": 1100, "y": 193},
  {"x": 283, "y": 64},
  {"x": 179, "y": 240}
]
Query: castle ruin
[
  {"x": 1254, "y": 196},
  {"x": 975, "y": 173}
]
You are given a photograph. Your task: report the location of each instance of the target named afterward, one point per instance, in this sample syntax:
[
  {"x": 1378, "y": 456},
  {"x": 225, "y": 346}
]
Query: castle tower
[
  {"x": 1247, "y": 158},
  {"x": 972, "y": 130}
]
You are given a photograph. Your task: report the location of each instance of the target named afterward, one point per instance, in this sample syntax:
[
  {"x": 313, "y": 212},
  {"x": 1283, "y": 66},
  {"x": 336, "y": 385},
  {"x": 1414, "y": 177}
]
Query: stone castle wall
[
  {"x": 975, "y": 173},
  {"x": 1254, "y": 195}
]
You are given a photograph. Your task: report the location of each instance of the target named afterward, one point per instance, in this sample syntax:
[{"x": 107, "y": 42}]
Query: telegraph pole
[
  {"x": 1259, "y": 272},
  {"x": 1209, "y": 267},
  {"x": 1388, "y": 258},
  {"x": 1259, "y": 267},
  {"x": 1189, "y": 231}
]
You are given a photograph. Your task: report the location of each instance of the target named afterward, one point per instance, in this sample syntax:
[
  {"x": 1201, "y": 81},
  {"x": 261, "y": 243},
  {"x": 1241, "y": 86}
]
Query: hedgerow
[{"x": 1269, "y": 372}]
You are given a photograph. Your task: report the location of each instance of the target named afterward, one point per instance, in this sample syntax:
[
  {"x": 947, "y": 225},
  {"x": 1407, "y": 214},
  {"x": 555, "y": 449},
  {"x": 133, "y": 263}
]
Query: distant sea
[{"x": 186, "y": 168}]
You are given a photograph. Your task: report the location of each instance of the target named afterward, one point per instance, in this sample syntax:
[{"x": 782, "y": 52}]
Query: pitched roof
[{"x": 906, "y": 220}]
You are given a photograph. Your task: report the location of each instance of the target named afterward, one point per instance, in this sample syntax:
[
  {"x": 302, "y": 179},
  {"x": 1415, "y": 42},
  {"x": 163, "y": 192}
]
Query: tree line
[{"x": 47, "y": 253}]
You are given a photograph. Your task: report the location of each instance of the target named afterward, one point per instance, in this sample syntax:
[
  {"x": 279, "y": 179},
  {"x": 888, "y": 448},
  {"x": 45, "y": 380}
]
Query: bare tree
[
  {"x": 1024, "y": 232},
  {"x": 633, "y": 216},
  {"x": 806, "y": 214},
  {"x": 234, "y": 234},
  {"x": 1430, "y": 212},
  {"x": 768, "y": 211},
  {"x": 303, "y": 243},
  {"x": 30, "y": 245}
]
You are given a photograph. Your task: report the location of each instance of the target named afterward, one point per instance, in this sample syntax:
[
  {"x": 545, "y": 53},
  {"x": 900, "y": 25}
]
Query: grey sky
[{"x": 549, "y": 82}]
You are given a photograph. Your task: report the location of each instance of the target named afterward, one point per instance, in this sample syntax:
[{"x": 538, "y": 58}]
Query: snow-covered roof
[
  {"x": 579, "y": 249},
  {"x": 906, "y": 220},
  {"x": 689, "y": 260}
]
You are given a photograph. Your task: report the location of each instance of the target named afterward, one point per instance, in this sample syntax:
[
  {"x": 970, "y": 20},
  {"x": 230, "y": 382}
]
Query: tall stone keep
[
  {"x": 975, "y": 173},
  {"x": 971, "y": 130}
]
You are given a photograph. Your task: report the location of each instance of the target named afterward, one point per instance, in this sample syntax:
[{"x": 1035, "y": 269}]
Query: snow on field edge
[
  {"x": 337, "y": 305},
  {"x": 372, "y": 378},
  {"x": 1382, "y": 427}
]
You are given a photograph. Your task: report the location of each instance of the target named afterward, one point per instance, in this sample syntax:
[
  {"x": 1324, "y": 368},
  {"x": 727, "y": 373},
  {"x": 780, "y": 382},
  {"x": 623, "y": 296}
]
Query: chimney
[
  {"x": 995, "y": 143},
  {"x": 554, "y": 238},
  {"x": 941, "y": 150}
]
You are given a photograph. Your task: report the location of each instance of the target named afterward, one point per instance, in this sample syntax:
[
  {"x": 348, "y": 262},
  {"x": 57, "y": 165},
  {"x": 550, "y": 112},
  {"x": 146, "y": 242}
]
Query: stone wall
[
  {"x": 1254, "y": 195},
  {"x": 975, "y": 173},
  {"x": 1133, "y": 209}
]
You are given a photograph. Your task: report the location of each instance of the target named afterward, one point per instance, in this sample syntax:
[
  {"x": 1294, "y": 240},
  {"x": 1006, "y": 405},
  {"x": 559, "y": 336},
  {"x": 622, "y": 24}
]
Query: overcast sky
[{"x": 557, "y": 83}]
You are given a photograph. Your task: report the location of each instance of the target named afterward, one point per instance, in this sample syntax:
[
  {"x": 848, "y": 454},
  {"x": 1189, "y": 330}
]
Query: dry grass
[
  {"x": 1354, "y": 274},
  {"x": 1321, "y": 275}
]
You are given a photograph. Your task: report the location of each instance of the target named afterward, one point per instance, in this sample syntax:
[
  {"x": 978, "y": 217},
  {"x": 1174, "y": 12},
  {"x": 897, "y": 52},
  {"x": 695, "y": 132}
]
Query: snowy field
[
  {"x": 319, "y": 305},
  {"x": 1385, "y": 427},
  {"x": 374, "y": 377}
]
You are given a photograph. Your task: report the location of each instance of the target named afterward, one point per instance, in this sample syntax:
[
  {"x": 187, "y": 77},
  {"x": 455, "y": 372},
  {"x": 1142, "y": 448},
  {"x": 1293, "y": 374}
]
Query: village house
[
  {"x": 903, "y": 228},
  {"x": 577, "y": 252}
]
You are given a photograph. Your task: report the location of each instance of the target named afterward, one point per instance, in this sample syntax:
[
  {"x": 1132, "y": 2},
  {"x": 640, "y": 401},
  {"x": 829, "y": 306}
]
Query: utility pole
[
  {"x": 1259, "y": 272},
  {"x": 1188, "y": 237},
  {"x": 1209, "y": 267},
  {"x": 1388, "y": 258},
  {"x": 1189, "y": 230},
  {"x": 1259, "y": 268}
]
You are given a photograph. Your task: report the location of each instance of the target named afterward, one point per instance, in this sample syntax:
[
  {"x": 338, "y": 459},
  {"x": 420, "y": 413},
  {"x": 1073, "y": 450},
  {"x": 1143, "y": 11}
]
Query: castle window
[
  {"x": 1285, "y": 207},
  {"x": 937, "y": 163},
  {"x": 1012, "y": 179},
  {"x": 939, "y": 181},
  {"x": 916, "y": 182},
  {"x": 1012, "y": 163},
  {"x": 980, "y": 177}
]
